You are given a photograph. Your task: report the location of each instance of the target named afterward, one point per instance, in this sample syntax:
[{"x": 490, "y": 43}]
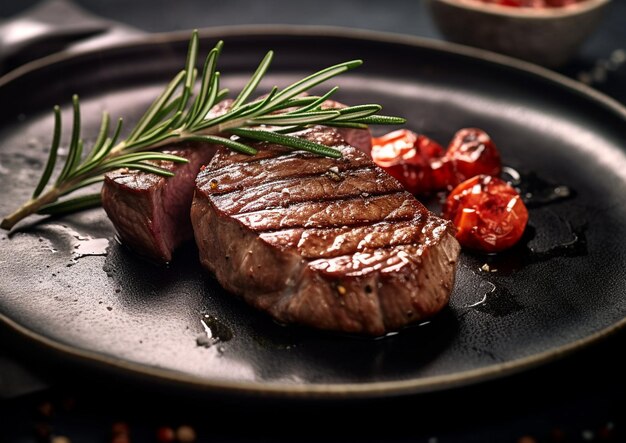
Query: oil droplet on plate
[
  {"x": 87, "y": 246},
  {"x": 215, "y": 332},
  {"x": 496, "y": 301},
  {"x": 91, "y": 247},
  {"x": 536, "y": 191}
]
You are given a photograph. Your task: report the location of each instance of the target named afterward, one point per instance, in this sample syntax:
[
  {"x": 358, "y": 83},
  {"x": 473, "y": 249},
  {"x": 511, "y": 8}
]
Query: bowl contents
[
  {"x": 532, "y": 3},
  {"x": 545, "y": 32}
]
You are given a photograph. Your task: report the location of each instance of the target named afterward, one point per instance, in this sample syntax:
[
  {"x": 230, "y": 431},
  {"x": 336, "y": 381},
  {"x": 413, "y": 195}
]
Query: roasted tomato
[
  {"x": 472, "y": 152},
  {"x": 408, "y": 156},
  {"x": 420, "y": 165},
  {"x": 488, "y": 213}
]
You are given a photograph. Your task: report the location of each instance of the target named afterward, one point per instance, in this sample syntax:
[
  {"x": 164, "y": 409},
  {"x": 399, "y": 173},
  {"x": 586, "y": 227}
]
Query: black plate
[{"x": 125, "y": 314}]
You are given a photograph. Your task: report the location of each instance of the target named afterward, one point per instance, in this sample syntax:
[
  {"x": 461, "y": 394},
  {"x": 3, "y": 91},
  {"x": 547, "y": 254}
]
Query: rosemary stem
[
  {"x": 30, "y": 207},
  {"x": 117, "y": 150}
]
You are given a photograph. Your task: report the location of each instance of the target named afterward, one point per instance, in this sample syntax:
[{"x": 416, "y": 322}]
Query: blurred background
[
  {"x": 597, "y": 62},
  {"x": 578, "y": 399}
]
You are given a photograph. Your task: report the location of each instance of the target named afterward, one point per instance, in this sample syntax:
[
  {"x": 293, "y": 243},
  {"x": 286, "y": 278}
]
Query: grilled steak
[
  {"x": 333, "y": 244},
  {"x": 151, "y": 213}
]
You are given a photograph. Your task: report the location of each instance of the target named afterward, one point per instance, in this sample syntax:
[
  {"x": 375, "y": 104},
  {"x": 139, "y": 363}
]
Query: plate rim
[
  {"x": 314, "y": 390},
  {"x": 327, "y": 31},
  {"x": 322, "y": 390}
]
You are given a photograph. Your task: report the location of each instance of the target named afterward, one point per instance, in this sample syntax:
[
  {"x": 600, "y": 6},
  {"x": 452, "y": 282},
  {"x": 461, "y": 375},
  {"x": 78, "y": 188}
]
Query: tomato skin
[
  {"x": 407, "y": 156},
  {"x": 472, "y": 152},
  {"x": 441, "y": 174},
  {"x": 420, "y": 164},
  {"x": 489, "y": 214}
]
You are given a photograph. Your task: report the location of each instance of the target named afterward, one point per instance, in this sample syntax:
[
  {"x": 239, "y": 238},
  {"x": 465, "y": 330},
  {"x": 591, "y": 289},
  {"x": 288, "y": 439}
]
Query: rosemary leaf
[
  {"x": 156, "y": 106},
  {"x": 170, "y": 108},
  {"x": 315, "y": 103},
  {"x": 187, "y": 91},
  {"x": 74, "y": 143},
  {"x": 109, "y": 143},
  {"x": 102, "y": 136},
  {"x": 286, "y": 140},
  {"x": 380, "y": 120},
  {"x": 154, "y": 142},
  {"x": 232, "y": 144},
  {"x": 156, "y": 131},
  {"x": 124, "y": 160},
  {"x": 336, "y": 124},
  {"x": 296, "y": 103},
  {"x": 215, "y": 121},
  {"x": 357, "y": 112},
  {"x": 222, "y": 95},
  {"x": 145, "y": 167},
  {"x": 295, "y": 119},
  {"x": 52, "y": 157},
  {"x": 77, "y": 154},
  {"x": 287, "y": 129},
  {"x": 209, "y": 101},
  {"x": 101, "y": 153},
  {"x": 190, "y": 70},
  {"x": 254, "y": 80},
  {"x": 209, "y": 86},
  {"x": 254, "y": 107},
  {"x": 315, "y": 79}
]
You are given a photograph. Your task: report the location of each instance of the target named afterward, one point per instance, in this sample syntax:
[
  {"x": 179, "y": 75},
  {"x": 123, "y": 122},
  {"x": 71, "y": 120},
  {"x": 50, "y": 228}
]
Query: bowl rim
[{"x": 525, "y": 12}]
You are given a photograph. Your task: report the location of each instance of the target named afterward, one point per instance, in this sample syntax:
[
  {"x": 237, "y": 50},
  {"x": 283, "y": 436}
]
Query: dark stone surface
[{"x": 580, "y": 396}]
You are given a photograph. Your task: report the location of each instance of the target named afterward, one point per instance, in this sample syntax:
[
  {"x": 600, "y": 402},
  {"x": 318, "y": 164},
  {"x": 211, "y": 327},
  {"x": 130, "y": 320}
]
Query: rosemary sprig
[{"x": 177, "y": 115}]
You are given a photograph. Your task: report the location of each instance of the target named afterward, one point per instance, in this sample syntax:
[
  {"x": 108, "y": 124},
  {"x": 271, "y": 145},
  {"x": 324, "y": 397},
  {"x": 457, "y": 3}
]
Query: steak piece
[
  {"x": 332, "y": 244},
  {"x": 150, "y": 212}
]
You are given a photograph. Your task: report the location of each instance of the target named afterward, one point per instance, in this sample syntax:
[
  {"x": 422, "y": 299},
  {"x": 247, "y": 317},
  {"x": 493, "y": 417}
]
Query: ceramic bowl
[{"x": 546, "y": 36}]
